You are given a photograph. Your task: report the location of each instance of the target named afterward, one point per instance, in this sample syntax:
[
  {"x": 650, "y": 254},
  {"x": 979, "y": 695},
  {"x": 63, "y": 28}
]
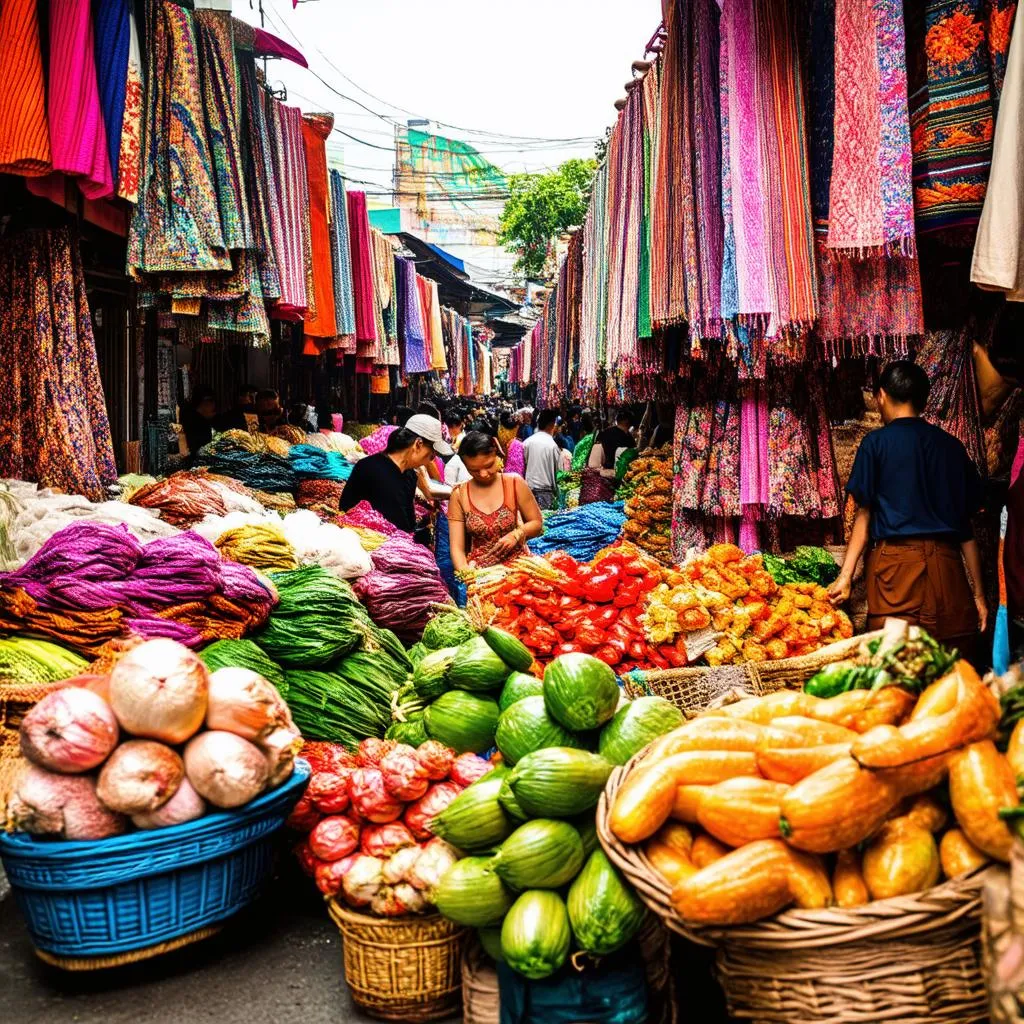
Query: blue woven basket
[{"x": 132, "y": 892}]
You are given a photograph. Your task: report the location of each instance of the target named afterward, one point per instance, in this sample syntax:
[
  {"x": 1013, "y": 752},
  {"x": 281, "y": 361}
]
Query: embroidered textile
[
  {"x": 24, "y": 133},
  {"x": 130, "y": 151}
]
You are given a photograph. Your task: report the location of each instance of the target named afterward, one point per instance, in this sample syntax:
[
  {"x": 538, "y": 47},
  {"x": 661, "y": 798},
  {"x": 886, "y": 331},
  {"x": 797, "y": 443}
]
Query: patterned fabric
[
  {"x": 410, "y": 318},
  {"x": 315, "y": 130},
  {"x": 112, "y": 25},
  {"x": 484, "y": 529},
  {"x": 362, "y": 274},
  {"x": 53, "y": 416},
  {"x": 871, "y": 203},
  {"x": 131, "y": 121},
  {"x": 284, "y": 126},
  {"x": 958, "y": 51},
  {"x": 24, "y": 134},
  {"x": 341, "y": 261},
  {"x": 78, "y": 136}
]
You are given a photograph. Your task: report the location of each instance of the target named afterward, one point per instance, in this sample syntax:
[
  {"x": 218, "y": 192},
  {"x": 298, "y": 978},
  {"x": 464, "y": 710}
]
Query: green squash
[
  {"x": 470, "y": 893},
  {"x": 508, "y": 800},
  {"x": 634, "y": 725},
  {"x": 586, "y": 825},
  {"x": 559, "y": 782},
  {"x": 466, "y": 722},
  {"x": 604, "y": 911},
  {"x": 477, "y": 667},
  {"x": 535, "y": 934},
  {"x": 513, "y": 652},
  {"x": 449, "y": 629},
  {"x": 526, "y": 726},
  {"x": 580, "y": 691},
  {"x": 430, "y": 677},
  {"x": 490, "y": 942},
  {"x": 475, "y": 819},
  {"x": 542, "y": 854},
  {"x": 517, "y": 686}
]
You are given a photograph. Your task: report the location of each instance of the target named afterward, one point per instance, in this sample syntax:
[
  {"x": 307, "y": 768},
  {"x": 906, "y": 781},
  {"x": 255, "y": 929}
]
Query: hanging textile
[
  {"x": 78, "y": 137},
  {"x": 384, "y": 285},
  {"x": 321, "y": 322},
  {"x": 871, "y": 205},
  {"x": 341, "y": 262},
  {"x": 285, "y": 129},
  {"x": 410, "y": 318},
  {"x": 362, "y": 273},
  {"x": 649, "y": 101},
  {"x": 437, "y": 357},
  {"x": 53, "y": 415},
  {"x": 112, "y": 27},
  {"x": 24, "y": 134},
  {"x": 594, "y": 293},
  {"x": 957, "y": 57},
  {"x": 130, "y": 150},
  {"x": 176, "y": 225}
]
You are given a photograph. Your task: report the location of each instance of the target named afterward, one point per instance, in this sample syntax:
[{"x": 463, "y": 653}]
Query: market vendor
[
  {"x": 388, "y": 480},
  {"x": 269, "y": 409},
  {"x": 493, "y": 514},
  {"x": 916, "y": 490}
]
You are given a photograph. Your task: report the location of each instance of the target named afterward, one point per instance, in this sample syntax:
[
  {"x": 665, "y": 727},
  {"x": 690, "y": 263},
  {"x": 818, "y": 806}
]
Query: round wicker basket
[
  {"x": 914, "y": 959},
  {"x": 401, "y": 968}
]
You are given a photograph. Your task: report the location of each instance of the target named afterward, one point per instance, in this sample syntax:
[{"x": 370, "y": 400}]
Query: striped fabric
[
  {"x": 285, "y": 127},
  {"x": 315, "y": 129},
  {"x": 24, "y": 136},
  {"x": 341, "y": 260},
  {"x": 112, "y": 25},
  {"x": 362, "y": 273}
]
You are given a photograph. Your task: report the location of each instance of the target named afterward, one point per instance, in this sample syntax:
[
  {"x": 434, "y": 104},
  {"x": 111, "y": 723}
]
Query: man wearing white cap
[{"x": 388, "y": 480}]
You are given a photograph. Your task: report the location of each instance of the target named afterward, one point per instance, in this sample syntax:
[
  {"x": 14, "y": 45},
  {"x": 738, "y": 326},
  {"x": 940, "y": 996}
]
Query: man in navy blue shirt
[{"x": 916, "y": 490}]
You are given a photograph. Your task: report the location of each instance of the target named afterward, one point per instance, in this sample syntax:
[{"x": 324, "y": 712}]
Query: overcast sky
[{"x": 537, "y": 68}]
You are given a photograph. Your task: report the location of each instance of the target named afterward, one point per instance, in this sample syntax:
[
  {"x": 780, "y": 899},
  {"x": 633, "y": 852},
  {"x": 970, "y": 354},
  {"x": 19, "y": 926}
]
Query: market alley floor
[{"x": 277, "y": 963}]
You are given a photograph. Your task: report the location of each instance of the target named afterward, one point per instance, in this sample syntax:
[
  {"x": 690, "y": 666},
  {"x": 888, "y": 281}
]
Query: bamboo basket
[
  {"x": 914, "y": 959},
  {"x": 697, "y": 689},
  {"x": 401, "y": 968}
]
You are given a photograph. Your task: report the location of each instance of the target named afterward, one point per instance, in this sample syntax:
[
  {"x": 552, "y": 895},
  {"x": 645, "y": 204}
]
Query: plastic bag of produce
[
  {"x": 334, "y": 837},
  {"x": 328, "y": 791}
]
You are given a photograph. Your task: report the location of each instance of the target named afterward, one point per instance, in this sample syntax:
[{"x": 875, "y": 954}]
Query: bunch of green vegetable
[
  {"x": 537, "y": 884},
  {"x": 904, "y": 655},
  {"x": 327, "y": 706},
  {"x": 27, "y": 661},
  {"x": 807, "y": 564}
]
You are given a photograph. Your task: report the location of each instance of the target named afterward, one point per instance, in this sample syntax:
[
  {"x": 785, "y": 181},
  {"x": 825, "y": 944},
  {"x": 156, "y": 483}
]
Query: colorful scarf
[
  {"x": 285, "y": 126},
  {"x": 341, "y": 262},
  {"x": 410, "y": 319},
  {"x": 871, "y": 202},
  {"x": 24, "y": 134},
  {"x": 320, "y": 318},
  {"x": 362, "y": 274}
]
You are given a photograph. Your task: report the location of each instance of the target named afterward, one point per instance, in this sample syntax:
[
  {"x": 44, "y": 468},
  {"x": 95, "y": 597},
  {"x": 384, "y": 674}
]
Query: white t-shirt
[
  {"x": 543, "y": 460},
  {"x": 455, "y": 471}
]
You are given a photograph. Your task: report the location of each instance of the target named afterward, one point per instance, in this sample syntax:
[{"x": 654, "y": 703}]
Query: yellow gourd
[{"x": 901, "y": 859}]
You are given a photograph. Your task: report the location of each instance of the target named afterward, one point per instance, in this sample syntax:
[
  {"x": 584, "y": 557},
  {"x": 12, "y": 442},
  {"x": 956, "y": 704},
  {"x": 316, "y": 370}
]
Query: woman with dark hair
[
  {"x": 198, "y": 419},
  {"x": 491, "y": 515}
]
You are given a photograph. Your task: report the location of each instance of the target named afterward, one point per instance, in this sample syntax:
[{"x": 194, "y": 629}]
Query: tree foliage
[{"x": 540, "y": 207}]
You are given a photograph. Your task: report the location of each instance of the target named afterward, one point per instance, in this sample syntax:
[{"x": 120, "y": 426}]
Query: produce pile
[
  {"x": 753, "y": 618},
  {"x": 534, "y": 881},
  {"x": 365, "y": 815},
  {"x": 581, "y": 532},
  {"x": 155, "y": 743},
  {"x": 792, "y": 799},
  {"x": 27, "y": 661},
  {"x": 558, "y": 606},
  {"x": 807, "y": 564},
  {"x": 647, "y": 490}
]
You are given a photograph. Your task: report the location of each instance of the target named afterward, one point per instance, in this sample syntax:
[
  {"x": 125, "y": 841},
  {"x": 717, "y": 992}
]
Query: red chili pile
[{"x": 595, "y": 607}]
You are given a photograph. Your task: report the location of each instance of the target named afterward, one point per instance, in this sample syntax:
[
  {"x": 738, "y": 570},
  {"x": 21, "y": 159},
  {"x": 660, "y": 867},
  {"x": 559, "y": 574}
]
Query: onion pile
[{"x": 189, "y": 741}]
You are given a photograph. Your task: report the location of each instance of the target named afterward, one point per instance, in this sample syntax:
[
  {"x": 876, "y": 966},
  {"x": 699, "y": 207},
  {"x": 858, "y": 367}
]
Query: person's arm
[
  {"x": 972, "y": 559},
  {"x": 352, "y": 492},
  {"x": 532, "y": 526},
  {"x": 457, "y": 532},
  {"x": 840, "y": 589},
  {"x": 421, "y": 483},
  {"x": 596, "y": 460}
]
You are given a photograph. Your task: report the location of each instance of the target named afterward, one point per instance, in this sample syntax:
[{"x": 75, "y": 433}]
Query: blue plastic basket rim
[{"x": 22, "y": 845}]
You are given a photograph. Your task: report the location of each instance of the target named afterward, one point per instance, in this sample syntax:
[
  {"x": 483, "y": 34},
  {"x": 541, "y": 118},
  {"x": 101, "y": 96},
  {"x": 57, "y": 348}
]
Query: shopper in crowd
[
  {"x": 242, "y": 414},
  {"x": 509, "y": 427},
  {"x": 400, "y": 415},
  {"x": 303, "y": 416},
  {"x": 388, "y": 480},
  {"x": 269, "y": 410},
  {"x": 455, "y": 421},
  {"x": 916, "y": 490},
  {"x": 198, "y": 419},
  {"x": 493, "y": 514},
  {"x": 525, "y": 417},
  {"x": 599, "y": 477},
  {"x": 543, "y": 459},
  {"x": 613, "y": 440}
]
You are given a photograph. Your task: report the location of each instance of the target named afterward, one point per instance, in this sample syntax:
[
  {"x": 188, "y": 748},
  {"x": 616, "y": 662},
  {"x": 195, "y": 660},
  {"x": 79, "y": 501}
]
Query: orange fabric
[
  {"x": 24, "y": 134},
  {"x": 315, "y": 130}
]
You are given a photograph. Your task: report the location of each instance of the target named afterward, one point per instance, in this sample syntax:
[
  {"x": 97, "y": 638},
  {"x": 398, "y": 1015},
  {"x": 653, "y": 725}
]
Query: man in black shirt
[
  {"x": 614, "y": 438},
  {"x": 388, "y": 480},
  {"x": 916, "y": 490}
]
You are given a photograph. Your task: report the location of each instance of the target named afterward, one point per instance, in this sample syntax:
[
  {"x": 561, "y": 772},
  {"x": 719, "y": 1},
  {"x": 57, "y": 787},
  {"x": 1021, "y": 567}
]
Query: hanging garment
[
  {"x": 998, "y": 262},
  {"x": 285, "y": 128},
  {"x": 78, "y": 137},
  {"x": 957, "y": 57},
  {"x": 131, "y": 120},
  {"x": 341, "y": 261},
  {"x": 410, "y": 318},
  {"x": 315, "y": 130},
  {"x": 24, "y": 134},
  {"x": 871, "y": 205},
  {"x": 362, "y": 274},
  {"x": 53, "y": 416},
  {"x": 384, "y": 290},
  {"x": 112, "y": 27},
  {"x": 176, "y": 226}
]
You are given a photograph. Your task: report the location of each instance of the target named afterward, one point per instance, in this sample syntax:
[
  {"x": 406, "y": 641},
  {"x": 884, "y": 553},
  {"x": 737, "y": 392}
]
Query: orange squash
[
  {"x": 848, "y": 880},
  {"x": 744, "y": 885},
  {"x": 791, "y": 764},
  {"x": 981, "y": 784},
  {"x": 685, "y": 806},
  {"x": 809, "y": 882},
  {"x": 706, "y": 733},
  {"x": 918, "y": 776},
  {"x": 973, "y": 717},
  {"x": 835, "y": 808},
  {"x": 796, "y": 731},
  {"x": 1015, "y": 750},
  {"x": 926, "y": 811},
  {"x": 938, "y": 698},
  {"x": 706, "y": 850},
  {"x": 706, "y": 767},
  {"x": 861, "y": 710},
  {"x": 669, "y": 850},
  {"x": 901, "y": 859},
  {"x": 764, "y": 710},
  {"x": 738, "y": 811},
  {"x": 644, "y": 802},
  {"x": 958, "y": 854}
]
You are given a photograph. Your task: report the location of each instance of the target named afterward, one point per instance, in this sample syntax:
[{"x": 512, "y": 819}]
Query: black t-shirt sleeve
[
  {"x": 862, "y": 484},
  {"x": 974, "y": 496},
  {"x": 353, "y": 491}
]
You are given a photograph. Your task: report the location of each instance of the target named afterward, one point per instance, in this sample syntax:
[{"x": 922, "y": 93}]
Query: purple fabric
[
  {"x": 410, "y": 318},
  {"x": 265, "y": 44},
  {"x": 516, "y": 461}
]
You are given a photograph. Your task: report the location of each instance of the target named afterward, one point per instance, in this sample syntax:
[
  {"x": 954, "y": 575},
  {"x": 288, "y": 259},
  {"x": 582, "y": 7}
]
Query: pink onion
[
  {"x": 47, "y": 804},
  {"x": 70, "y": 730},
  {"x": 185, "y": 805},
  {"x": 243, "y": 702},
  {"x": 159, "y": 690},
  {"x": 140, "y": 776},
  {"x": 225, "y": 769}
]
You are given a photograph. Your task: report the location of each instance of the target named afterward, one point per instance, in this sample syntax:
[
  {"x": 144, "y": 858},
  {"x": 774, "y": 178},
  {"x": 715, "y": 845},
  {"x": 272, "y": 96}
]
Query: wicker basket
[
  {"x": 697, "y": 689},
  {"x": 481, "y": 997},
  {"x": 913, "y": 959},
  {"x": 401, "y": 968}
]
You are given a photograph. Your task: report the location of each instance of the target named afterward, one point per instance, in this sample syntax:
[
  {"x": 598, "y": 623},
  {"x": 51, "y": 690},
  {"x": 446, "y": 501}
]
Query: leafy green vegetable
[{"x": 807, "y": 564}]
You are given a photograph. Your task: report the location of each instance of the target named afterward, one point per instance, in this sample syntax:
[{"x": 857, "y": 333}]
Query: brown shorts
[{"x": 924, "y": 582}]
